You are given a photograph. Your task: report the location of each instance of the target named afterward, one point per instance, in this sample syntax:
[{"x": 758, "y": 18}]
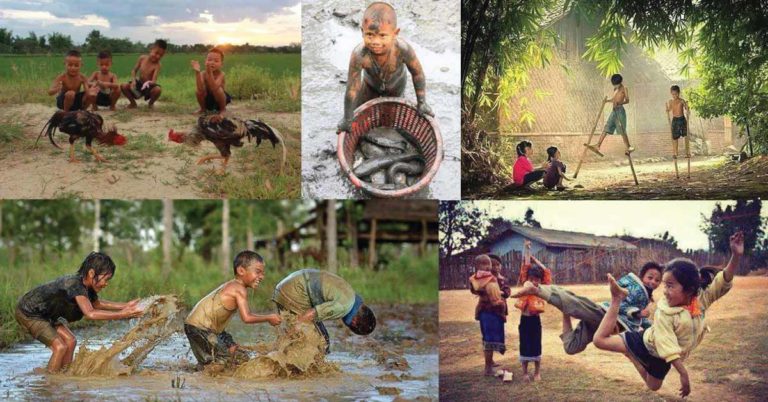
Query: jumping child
[
  {"x": 617, "y": 121},
  {"x": 489, "y": 310},
  {"x": 381, "y": 59},
  {"x": 210, "y": 92},
  {"x": 46, "y": 311},
  {"x": 104, "y": 82},
  {"x": 144, "y": 76},
  {"x": 555, "y": 173},
  {"x": 523, "y": 173},
  {"x": 679, "y": 322},
  {"x": 206, "y": 322},
  {"x": 531, "y": 307},
  {"x": 67, "y": 85},
  {"x": 678, "y": 107}
]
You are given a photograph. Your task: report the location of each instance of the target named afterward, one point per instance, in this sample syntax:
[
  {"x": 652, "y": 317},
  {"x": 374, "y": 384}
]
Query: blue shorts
[{"x": 617, "y": 122}]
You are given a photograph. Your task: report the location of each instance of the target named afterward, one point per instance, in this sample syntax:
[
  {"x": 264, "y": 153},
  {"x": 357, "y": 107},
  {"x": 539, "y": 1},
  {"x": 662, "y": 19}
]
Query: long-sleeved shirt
[
  {"x": 637, "y": 299},
  {"x": 330, "y": 295},
  {"x": 675, "y": 332}
]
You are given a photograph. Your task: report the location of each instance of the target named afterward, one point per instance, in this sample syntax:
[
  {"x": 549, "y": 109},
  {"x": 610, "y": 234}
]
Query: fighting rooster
[
  {"x": 79, "y": 124},
  {"x": 225, "y": 133}
]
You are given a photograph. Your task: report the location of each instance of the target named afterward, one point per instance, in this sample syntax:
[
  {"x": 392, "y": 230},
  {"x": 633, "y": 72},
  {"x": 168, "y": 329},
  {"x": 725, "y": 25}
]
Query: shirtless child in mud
[
  {"x": 46, "y": 311},
  {"x": 67, "y": 85},
  {"x": 205, "y": 324},
  {"x": 316, "y": 296},
  {"x": 145, "y": 84},
  {"x": 381, "y": 59}
]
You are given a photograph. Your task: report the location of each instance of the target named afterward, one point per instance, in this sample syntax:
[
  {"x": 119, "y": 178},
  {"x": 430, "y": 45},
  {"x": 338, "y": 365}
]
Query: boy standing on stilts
[
  {"x": 679, "y": 125},
  {"x": 617, "y": 121}
]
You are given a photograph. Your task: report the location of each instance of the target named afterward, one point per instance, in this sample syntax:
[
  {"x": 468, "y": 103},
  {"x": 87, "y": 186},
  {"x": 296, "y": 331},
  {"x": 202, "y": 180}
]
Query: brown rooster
[
  {"x": 225, "y": 133},
  {"x": 79, "y": 124}
]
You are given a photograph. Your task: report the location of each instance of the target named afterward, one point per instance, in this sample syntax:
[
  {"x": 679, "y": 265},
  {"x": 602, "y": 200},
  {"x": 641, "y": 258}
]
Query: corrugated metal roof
[{"x": 561, "y": 238}]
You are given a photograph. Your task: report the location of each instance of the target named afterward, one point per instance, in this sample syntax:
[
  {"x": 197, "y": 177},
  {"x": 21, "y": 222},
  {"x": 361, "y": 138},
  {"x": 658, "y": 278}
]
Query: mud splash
[
  {"x": 158, "y": 323},
  {"x": 299, "y": 351}
]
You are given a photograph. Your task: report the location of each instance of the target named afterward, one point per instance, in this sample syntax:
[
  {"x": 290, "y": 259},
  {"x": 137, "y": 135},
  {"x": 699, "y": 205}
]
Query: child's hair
[
  {"x": 104, "y": 54},
  {"x": 616, "y": 79},
  {"x": 244, "y": 259},
  {"x": 379, "y": 10},
  {"x": 100, "y": 263},
  {"x": 217, "y": 51},
  {"x": 551, "y": 151},
  {"x": 495, "y": 258},
  {"x": 649, "y": 266},
  {"x": 161, "y": 44},
  {"x": 365, "y": 321},
  {"x": 689, "y": 276},
  {"x": 521, "y": 147},
  {"x": 73, "y": 53},
  {"x": 535, "y": 271},
  {"x": 675, "y": 88}
]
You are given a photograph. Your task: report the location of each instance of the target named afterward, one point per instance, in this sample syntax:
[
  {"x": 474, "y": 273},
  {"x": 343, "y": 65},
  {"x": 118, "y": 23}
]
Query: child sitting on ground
[
  {"x": 531, "y": 306},
  {"x": 489, "y": 310},
  {"x": 46, "y": 311},
  {"x": 381, "y": 60},
  {"x": 144, "y": 76},
  {"x": 105, "y": 82},
  {"x": 210, "y": 92},
  {"x": 206, "y": 322},
  {"x": 523, "y": 173},
  {"x": 679, "y": 323},
  {"x": 555, "y": 173},
  {"x": 67, "y": 85}
]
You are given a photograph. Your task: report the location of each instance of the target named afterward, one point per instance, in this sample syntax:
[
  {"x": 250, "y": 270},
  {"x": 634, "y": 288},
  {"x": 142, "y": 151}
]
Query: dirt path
[
  {"x": 594, "y": 374},
  {"x": 148, "y": 166},
  {"x": 711, "y": 178}
]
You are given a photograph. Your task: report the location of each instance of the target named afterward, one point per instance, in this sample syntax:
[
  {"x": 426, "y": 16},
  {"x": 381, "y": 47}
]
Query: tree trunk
[
  {"x": 372, "y": 246},
  {"x": 330, "y": 236},
  {"x": 354, "y": 255},
  {"x": 96, "y": 224},
  {"x": 320, "y": 225},
  {"x": 167, "y": 235},
  {"x": 225, "y": 249},
  {"x": 249, "y": 230}
]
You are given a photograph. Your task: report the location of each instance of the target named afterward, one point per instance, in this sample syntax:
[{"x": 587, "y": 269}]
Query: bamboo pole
[{"x": 589, "y": 140}]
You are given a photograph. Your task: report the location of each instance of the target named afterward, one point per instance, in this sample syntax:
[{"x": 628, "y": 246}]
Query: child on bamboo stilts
[
  {"x": 617, "y": 121},
  {"x": 531, "y": 307},
  {"x": 490, "y": 310},
  {"x": 679, "y": 322},
  {"x": 678, "y": 123}
]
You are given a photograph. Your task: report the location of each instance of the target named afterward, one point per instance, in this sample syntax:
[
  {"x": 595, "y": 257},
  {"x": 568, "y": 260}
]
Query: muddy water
[
  {"x": 400, "y": 359},
  {"x": 330, "y": 31}
]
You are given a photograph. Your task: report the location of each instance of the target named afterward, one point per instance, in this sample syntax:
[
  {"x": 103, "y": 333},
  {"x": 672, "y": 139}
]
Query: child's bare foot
[
  {"x": 537, "y": 377},
  {"x": 40, "y": 370},
  {"x": 528, "y": 289},
  {"x": 489, "y": 371},
  {"x": 617, "y": 292},
  {"x": 526, "y": 377}
]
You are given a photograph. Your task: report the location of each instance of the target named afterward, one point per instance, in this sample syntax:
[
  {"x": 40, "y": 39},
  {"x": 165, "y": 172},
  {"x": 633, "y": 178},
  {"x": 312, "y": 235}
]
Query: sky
[
  {"x": 258, "y": 22},
  {"x": 637, "y": 218}
]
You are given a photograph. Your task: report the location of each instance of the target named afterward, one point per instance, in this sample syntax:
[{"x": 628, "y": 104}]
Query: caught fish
[
  {"x": 385, "y": 142},
  {"x": 371, "y": 151},
  {"x": 371, "y": 165},
  {"x": 409, "y": 168}
]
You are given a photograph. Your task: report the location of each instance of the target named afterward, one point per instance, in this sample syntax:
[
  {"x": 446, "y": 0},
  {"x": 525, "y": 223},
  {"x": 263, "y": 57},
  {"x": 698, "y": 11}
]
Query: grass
[
  {"x": 10, "y": 132},
  {"x": 274, "y": 78},
  {"x": 407, "y": 279}
]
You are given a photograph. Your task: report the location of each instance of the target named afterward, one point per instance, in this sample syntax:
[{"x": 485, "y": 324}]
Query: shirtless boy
[
  {"x": 617, "y": 121},
  {"x": 104, "y": 82},
  {"x": 67, "y": 85},
  {"x": 678, "y": 107},
  {"x": 144, "y": 76}
]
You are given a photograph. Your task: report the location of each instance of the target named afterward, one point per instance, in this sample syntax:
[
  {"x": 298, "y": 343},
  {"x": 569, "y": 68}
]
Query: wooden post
[
  {"x": 249, "y": 240},
  {"x": 589, "y": 140},
  {"x": 423, "y": 243},
  {"x": 225, "y": 249},
  {"x": 331, "y": 235},
  {"x": 372, "y": 245},
  {"x": 167, "y": 235},
  {"x": 96, "y": 224}
]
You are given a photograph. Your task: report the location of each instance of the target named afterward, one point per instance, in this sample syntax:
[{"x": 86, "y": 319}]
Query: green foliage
[
  {"x": 723, "y": 222},
  {"x": 461, "y": 226}
]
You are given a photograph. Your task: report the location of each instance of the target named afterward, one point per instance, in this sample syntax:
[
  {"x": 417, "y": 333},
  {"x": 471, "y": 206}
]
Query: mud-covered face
[
  {"x": 97, "y": 282},
  {"x": 379, "y": 37},
  {"x": 73, "y": 64},
  {"x": 252, "y": 274},
  {"x": 673, "y": 290},
  {"x": 156, "y": 53},
  {"x": 652, "y": 278},
  {"x": 104, "y": 65},
  {"x": 213, "y": 61}
]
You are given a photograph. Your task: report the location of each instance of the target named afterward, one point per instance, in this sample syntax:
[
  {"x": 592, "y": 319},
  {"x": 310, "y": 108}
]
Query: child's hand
[
  {"x": 308, "y": 316},
  {"x": 685, "y": 385},
  {"x": 424, "y": 109},
  {"x": 344, "y": 126},
  {"x": 58, "y": 86},
  {"x": 737, "y": 243},
  {"x": 132, "y": 311},
  {"x": 645, "y": 312},
  {"x": 274, "y": 320},
  {"x": 195, "y": 65},
  {"x": 527, "y": 243}
]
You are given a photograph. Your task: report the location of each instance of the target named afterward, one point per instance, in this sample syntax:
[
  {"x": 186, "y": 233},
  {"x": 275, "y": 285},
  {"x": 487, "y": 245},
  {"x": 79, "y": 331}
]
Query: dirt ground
[
  {"x": 731, "y": 364},
  {"x": 714, "y": 177},
  {"x": 148, "y": 166}
]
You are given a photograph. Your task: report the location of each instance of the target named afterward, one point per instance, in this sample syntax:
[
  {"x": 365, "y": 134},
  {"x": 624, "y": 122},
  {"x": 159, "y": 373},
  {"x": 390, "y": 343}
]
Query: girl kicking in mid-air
[{"x": 679, "y": 321}]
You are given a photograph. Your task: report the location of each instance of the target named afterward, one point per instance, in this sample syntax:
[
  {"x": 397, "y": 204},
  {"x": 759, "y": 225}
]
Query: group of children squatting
[{"x": 654, "y": 335}]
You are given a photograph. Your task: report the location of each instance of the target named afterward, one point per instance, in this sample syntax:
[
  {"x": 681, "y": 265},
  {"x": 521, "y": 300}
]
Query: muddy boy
[{"x": 377, "y": 66}]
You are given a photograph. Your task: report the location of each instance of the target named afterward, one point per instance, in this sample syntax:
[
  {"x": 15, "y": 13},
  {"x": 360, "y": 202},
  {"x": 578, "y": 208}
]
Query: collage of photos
[{"x": 391, "y": 201}]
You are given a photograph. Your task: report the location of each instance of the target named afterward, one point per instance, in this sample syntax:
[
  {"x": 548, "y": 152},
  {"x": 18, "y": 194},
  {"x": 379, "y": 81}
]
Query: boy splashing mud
[
  {"x": 316, "y": 296},
  {"x": 144, "y": 76},
  {"x": 210, "y": 92},
  {"x": 205, "y": 324},
  {"x": 381, "y": 59},
  {"x": 46, "y": 311},
  {"x": 67, "y": 85}
]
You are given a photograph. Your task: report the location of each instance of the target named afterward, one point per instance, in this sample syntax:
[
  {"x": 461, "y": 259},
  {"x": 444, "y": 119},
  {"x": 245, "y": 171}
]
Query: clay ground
[
  {"x": 731, "y": 364},
  {"x": 148, "y": 166},
  {"x": 716, "y": 177}
]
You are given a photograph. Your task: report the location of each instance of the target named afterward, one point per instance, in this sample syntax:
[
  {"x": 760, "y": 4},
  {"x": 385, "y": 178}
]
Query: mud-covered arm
[
  {"x": 419, "y": 79},
  {"x": 241, "y": 298},
  {"x": 97, "y": 314},
  {"x": 110, "y": 305},
  {"x": 354, "y": 86}
]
